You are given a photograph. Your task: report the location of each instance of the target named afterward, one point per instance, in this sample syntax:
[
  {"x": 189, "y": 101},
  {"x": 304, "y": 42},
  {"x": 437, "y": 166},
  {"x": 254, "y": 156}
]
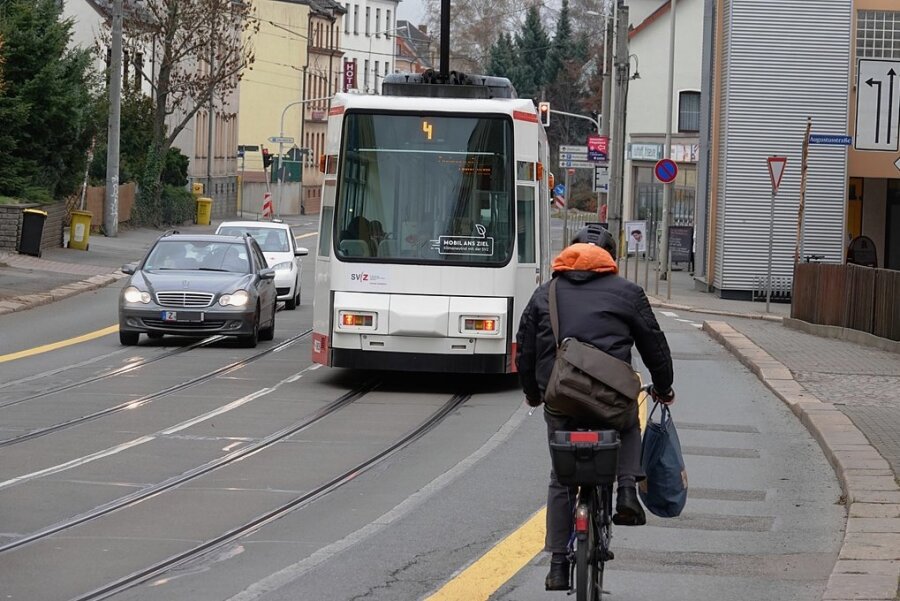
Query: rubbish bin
[
  {"x": 80, "y": 230},
  {"x": 204, "y": 210},
  {"x": 32, "y": 232}
]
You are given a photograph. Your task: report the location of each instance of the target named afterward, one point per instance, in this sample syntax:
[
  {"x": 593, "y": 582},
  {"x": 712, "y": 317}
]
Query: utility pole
[
  {"x": 606, "y": 105},
  {"x": 211, "y": 116},
  {"x": 111, "y": 207},
  {"x": 663, "y": 251},
  {"x": 617, "y": 153}
]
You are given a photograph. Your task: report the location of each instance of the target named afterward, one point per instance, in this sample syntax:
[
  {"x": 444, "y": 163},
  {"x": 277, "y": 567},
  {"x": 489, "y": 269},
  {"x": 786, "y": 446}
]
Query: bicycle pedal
[{"x": 607, "y": 555}]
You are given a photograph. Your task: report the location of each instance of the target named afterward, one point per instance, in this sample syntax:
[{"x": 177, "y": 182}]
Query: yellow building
[
  {"x": 274, "y": 81},
  {"x": 873, "y": 208}
]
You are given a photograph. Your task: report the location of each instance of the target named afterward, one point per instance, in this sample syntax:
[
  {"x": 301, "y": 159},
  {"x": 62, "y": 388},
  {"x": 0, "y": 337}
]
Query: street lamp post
[{"x": 281, "y": 146}]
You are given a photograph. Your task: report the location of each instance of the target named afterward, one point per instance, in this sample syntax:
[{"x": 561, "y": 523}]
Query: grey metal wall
[{"x": 785, "y": 60}]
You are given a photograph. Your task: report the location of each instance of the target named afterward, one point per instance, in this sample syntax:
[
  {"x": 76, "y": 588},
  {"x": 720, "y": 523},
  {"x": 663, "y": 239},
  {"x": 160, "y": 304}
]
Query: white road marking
[
  {"x": 684, "y": 320},
  {"x": 697, "y": 325},
  {"x": 151, "y": 437},
  {"x": 669, "y": 314}
]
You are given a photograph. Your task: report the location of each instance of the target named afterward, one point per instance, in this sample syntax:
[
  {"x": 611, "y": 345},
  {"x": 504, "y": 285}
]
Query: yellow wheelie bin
[
  {"x": 80, "y": 230},
  {"x": 204, "y": 210}
]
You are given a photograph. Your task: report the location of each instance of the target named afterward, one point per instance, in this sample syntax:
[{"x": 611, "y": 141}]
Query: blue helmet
[{"x": 597, "y": 235}]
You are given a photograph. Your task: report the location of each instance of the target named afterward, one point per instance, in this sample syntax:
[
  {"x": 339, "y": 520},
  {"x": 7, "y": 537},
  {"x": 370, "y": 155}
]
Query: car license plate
[{"x": 182, "y": 316}]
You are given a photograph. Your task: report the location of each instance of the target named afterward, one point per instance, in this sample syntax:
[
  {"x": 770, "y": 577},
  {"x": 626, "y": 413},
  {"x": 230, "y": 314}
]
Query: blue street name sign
[{"x": 837, "y": 140}]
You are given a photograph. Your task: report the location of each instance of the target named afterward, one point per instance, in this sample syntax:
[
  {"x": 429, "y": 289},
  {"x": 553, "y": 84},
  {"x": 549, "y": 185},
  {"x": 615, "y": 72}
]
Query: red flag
[{"x": 267, "y": 205}]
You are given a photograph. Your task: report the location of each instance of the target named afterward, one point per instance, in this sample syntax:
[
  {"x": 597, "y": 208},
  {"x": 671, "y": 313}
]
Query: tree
[
  {"x": 475, "y": 26},
  {"x": 135, "y": 137},
  {"x": 45, "y": 103},
  {"x": 201, "y": 52},
  {"x": 532, "y": 45},
  {"x": 503, "y": 57}
]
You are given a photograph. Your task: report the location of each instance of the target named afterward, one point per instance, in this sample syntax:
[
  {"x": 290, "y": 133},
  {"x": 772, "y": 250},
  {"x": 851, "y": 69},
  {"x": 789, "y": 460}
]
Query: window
[
  {"x": 878, "y": 34},
  {"x": 366, "y": 75},
  {"x": 387, "y": 24},
  {"x": 375, "y": 76},
  {"x": 356, "y": 19},
  {"x": 688, "y": 111},
  {"x": 347, "y": 18},
  {"x": 368, "y": 20},
  {"x": 377, "y": 22},
  {"x": 427, "y": 189},
  {"x": 525, "y": 223}
]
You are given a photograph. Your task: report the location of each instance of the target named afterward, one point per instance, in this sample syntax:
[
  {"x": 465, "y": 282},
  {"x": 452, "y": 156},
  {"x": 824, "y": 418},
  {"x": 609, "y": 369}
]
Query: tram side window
[
  {"x": 525, "y": 223},
  {"x": 325, "y": 231}
]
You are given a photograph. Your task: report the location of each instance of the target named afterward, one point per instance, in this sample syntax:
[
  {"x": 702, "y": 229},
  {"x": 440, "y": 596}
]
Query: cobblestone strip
[
  {"x": 868, "y": 565},
  {"x": 21, "y": 303}
]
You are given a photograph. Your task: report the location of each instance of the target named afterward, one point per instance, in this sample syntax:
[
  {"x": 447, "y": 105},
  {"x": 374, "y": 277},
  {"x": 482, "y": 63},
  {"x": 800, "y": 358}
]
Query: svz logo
[{"x": 359, "y": 277}]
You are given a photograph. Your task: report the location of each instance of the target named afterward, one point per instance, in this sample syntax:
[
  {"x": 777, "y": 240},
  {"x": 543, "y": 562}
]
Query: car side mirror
[
  {"x": 301, "y": 252},
  {"x": 129, "y": 268},
  {"x": 267, "y": 274}
]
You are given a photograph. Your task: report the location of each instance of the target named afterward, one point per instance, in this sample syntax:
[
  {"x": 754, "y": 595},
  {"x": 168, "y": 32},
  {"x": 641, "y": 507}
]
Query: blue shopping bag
[{"x": 664, "y": 492}]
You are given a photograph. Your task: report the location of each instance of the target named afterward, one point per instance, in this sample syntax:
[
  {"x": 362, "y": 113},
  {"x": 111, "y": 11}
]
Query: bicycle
[{"x": 587, "y": 459}]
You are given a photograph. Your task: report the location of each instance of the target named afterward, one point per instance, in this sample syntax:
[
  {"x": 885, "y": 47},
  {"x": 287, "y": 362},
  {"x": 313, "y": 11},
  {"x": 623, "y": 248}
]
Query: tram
[{"x": 434, "y": 226}]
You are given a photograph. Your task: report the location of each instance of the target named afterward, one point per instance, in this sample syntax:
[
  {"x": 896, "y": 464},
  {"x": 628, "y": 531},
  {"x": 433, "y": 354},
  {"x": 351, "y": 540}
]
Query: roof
[
  {"x": 202, "y": 238},
  {"x": 653, "y": 17},
  {"x": 268, "y": 224},
  {"x": 418, "y": 42}
]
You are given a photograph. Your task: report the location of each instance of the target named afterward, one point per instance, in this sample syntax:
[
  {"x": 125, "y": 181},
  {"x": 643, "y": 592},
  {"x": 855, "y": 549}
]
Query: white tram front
[{"x": 434, "y": 229}]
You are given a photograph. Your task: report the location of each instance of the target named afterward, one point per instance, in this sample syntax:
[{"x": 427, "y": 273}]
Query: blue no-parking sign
[{"x": 666, "y": 171}]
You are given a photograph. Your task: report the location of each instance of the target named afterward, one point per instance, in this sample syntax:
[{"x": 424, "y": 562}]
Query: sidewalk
[{"x": 845, "y": 393}]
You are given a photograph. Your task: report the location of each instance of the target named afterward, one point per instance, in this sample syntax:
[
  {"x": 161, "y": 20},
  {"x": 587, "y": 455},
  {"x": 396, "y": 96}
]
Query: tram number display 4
[{"x": 465, "y": 245}]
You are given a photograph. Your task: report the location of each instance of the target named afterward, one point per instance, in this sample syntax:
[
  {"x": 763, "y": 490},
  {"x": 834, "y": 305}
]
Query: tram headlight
[
  {"x": 356, "y": 320},
  {"x": 489, "y": 325}
]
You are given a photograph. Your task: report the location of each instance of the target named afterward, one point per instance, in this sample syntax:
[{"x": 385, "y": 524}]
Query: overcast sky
[{"x": 411, "y": 10}]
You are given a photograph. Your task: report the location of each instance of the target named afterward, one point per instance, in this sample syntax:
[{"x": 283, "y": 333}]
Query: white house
[{"x": 368, "y": 41}]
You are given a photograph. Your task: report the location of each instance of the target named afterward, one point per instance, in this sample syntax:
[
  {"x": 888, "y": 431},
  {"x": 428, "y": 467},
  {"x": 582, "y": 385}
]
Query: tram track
[
  {"x": 196, "y": 472},
  {"x": 133, "y": 404},
  {"x": 104, "y": 376},
  {"x": 142, "y": 575}
]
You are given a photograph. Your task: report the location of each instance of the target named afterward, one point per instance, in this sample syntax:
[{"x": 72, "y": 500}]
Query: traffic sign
[
  {"x": 576, "y": 149},
  {"x": 877, "y": 105},
  {"x": 559, "y": 189},
  {"x": 577, "y": 164},
  {"x": 776, "y": 171},
  {"x": 281, "y": 140},
  {"x": 897, "y": 164},
  {"x": 666, "y": 170},
  {"x": 601, "y": 179},
  {"x": 831, "y": 140},
  {"x": 573, "y": 156}
]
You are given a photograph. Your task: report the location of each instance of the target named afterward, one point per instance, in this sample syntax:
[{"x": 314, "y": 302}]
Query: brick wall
[{"x": 11, "y": 223}]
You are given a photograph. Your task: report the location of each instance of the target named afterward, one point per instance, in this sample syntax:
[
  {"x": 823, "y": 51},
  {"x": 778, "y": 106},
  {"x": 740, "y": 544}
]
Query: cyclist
[{"x": 597, "y": 307}]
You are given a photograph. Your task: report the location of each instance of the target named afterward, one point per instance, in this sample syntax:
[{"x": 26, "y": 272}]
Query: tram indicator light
[
  {"x": 481, "y": 325},
  {"x": 544, "y": 113},
  {"x": 357, "y": 320}
]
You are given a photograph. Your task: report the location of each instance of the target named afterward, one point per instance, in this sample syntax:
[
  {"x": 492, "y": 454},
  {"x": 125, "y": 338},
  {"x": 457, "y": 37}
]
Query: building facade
[
  {"x": 873, "y": 191},
  {"x": 415, "y": 51},
  {"x": 645, "y": 127},
  {"x": 368, "y": 43},
  {"x": 773, "y": 65}
]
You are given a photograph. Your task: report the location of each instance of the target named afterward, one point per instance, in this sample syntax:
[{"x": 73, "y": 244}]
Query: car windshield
[
  {"x": 198, "y": 255},
  {"x": 270, "y": 239}
]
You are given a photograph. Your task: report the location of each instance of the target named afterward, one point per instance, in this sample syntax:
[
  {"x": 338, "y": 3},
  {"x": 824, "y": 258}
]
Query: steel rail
[
  {"x": 155, "y": 395},
  {"x": 142, "y": 575}
]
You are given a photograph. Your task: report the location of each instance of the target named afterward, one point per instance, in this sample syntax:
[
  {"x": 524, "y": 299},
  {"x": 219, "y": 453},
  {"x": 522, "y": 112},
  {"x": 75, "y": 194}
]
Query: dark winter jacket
[{"x": 595, "y": 306}]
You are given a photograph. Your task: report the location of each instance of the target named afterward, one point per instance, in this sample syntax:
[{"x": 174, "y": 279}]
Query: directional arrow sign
[
  {"x": 897, "y": 164},
  {"x": 281, "y": 140},
  {"x": 877, "y": 105}
]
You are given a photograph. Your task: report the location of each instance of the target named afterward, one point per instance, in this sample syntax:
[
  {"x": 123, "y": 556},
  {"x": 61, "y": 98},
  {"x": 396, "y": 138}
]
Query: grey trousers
[{"x": 561, "y": 499}]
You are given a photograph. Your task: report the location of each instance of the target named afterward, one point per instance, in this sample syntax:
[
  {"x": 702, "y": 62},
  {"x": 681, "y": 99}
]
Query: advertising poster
[{"x": 636, "y": 236}]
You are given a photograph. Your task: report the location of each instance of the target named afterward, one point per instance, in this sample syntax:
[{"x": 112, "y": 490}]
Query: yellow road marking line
[
  {"x": 46, "y": 348},
  {"x": 306, "y": 235},
  {"x": 482, "y": 579}
]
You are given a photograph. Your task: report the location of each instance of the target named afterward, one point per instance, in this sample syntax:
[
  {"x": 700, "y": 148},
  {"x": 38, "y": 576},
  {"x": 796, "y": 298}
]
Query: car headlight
[
  {"x": 236, "y": 299},
  {"x": 286, "y": 266},
  {"x": 133, "y": 295}
]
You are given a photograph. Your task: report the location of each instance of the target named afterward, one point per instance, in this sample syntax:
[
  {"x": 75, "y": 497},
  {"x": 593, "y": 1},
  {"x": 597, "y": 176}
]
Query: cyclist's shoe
[
  {"x": 628, "y": 508},
  {"x": 558, "y": 576}
]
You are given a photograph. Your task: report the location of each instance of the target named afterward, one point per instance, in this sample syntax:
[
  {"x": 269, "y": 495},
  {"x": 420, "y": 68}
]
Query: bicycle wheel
[
  {"x": 604, "y": 530},
  {"x": 586, "y": 568}
]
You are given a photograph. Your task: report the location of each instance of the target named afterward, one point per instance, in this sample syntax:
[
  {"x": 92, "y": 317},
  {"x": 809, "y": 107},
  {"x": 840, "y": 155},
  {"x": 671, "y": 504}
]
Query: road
[{"x": 210, "y": 472}]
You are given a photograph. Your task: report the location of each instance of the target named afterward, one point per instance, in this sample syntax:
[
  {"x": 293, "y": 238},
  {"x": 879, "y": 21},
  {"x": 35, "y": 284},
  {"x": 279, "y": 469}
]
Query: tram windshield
[{"x": 425, "y": 189}]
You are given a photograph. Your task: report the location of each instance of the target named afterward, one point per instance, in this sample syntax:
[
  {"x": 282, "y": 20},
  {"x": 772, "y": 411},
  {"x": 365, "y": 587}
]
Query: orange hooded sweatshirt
[{"x": 585, "y": 257}]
